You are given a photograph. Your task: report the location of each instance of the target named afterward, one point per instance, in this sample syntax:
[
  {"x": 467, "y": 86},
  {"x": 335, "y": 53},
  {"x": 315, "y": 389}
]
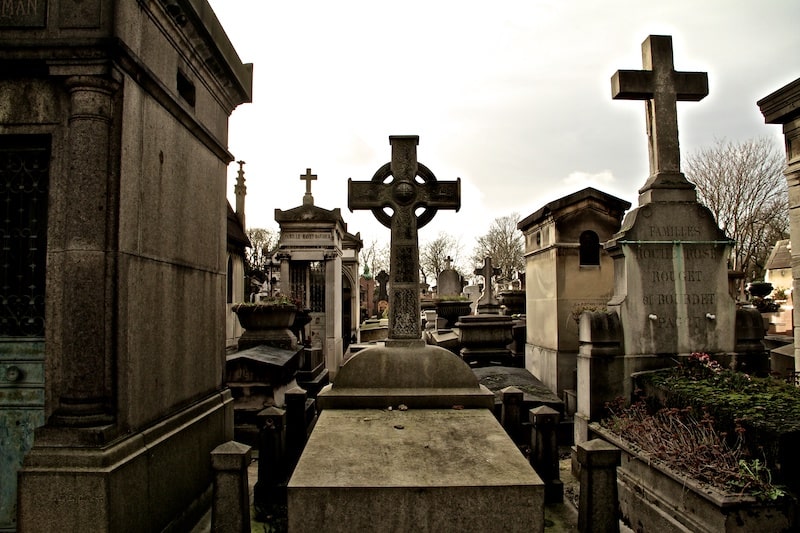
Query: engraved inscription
[
  {"x": 23, "y": 13},
  {"x": 647, "y": 252},
  {"x": 406, "y": 316},
  {"x": 674, "y": 232},
  {"x": 404, "y": 266}
]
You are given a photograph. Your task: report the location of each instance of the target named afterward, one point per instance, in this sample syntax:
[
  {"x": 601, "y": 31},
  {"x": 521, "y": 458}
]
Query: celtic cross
[{"x": 404, "y": 195}]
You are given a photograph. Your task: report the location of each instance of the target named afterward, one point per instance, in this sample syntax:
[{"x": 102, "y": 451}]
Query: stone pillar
[
  {"x": 333, "y": 312},
  {"x": 511, "y": 413},
  {"x": 285, "y": 282},
  {"x": 296, "y": 426},
  {"x": 84, "y": 386},
  {"x": 598, "y": 510},
  {"x": 544, "y": 451},
  {"x": 780, "y": 107},
  {"x": 270, "y": 488},
  {"x": 231, "y": 503},
  {"x": 601, "y": 368}
]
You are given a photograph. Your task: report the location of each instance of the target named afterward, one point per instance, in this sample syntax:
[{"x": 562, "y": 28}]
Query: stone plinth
[
  {"x": 416, "y": 375},
  {"x": 415, "y": 470},
  {"x": 485, "y": 338}
]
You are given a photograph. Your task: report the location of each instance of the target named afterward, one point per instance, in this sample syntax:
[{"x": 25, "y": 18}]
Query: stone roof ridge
[
  {"x": 235, "y": 231},
  {"x": 780, "y": 256},
  {"x": 310, "y": 213},
  {"x": 570, "y": 199}
]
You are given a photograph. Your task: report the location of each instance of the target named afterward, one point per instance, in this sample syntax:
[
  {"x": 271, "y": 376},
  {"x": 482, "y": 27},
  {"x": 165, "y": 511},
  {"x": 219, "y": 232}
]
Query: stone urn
[
  {"x": 760, "y": 289},
  {"x": 513, "y": 300},
  {"x": 266, "y": 323},
  {"x": 451, "y": 309}
]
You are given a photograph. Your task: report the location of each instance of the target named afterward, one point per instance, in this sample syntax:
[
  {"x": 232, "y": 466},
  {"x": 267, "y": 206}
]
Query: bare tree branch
[{"x": 743, "y": 186}]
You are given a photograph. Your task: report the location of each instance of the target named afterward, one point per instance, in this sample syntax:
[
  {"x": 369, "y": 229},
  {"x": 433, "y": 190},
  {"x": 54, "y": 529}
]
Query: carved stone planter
[
  {"x": 653, "y": 497},
  {"x": 450, "y": 310},
  {"x": 266, "y": 324},
  {"x": 513, "y": 301}
]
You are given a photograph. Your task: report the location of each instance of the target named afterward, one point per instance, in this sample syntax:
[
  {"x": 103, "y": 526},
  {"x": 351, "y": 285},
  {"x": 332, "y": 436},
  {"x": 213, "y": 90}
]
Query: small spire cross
[
  {"x": 661, "y": 86},
  {"x": 308, "y": 177}
]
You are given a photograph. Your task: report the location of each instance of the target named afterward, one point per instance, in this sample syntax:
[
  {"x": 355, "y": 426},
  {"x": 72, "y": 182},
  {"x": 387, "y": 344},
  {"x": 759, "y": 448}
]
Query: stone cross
[
  {"x": 308, "y": 177},
  {"x": 382, "y": 279},
  {"x": 404, "y": 195},
  {"x": 661, "y": 86},
  {"x": 448, "y": 262},
  {"x": 488, "y": 298}
]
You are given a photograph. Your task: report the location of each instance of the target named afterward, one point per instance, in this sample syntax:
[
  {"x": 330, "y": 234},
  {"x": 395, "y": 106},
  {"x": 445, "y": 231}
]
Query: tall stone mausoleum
[
  {"x": 113, "y": 159},
  {"x": 566, "y": 271},
  {"x": 319, "y": 267}
]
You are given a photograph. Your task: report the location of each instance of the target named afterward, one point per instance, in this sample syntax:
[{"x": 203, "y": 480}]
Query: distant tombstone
[
  {"x": 473, "y": 293},
  {"x": 449, "y": 281},
  {"x": 488, "y": 302},
  {"x": 382, "y": 278}
]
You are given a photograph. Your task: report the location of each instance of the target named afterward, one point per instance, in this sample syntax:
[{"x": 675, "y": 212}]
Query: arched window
[{"x": 590, "y": 248}]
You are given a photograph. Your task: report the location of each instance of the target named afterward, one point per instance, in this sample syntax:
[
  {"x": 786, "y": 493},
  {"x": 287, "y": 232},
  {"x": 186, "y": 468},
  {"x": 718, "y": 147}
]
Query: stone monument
[
  {"x": 569, "y": 272},
  {"x": 318, "y": 265},
  {"x": 450, "y": 459},
  {"x": 671, "y": 293},
  {"x": 485, "y": 337}
]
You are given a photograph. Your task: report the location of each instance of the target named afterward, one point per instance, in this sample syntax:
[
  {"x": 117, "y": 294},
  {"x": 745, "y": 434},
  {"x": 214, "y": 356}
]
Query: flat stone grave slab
[
  {"x": 417, "y": 470},
  {"x": 534, "y": 392}
]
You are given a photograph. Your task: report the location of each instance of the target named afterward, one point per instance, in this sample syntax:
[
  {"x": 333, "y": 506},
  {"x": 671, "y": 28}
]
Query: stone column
[
  {"x": 780, "y": 107},
  {"x": 84, "y": 384},
  {"x": 285, "y": 282},
  {"x": 511, "y": 413},
  {"x": 296, "y": 426},
  {"x": 272, "y": 468},
  {"x": 598, "y": 510},
  {"x": 231, "y": 502},
  {"x": 333, "y": 311},
  {"x": 544, "y": 451}
]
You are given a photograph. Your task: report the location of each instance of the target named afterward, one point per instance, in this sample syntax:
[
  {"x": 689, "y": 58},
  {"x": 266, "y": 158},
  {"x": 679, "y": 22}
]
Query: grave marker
[
  {"x": 404, "y": 196},
  {"x": 661, "y": 86},
  {"x": 308, "y": 177}
]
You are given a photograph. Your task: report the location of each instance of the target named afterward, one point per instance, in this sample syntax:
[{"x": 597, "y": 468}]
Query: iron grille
[{"x": 24, "y": 168}]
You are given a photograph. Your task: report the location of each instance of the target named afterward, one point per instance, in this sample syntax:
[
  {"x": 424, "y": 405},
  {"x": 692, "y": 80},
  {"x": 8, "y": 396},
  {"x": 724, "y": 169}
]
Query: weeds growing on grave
[
  {"x": 719, "y": 426},
  {"x": 692, "y": 445}
]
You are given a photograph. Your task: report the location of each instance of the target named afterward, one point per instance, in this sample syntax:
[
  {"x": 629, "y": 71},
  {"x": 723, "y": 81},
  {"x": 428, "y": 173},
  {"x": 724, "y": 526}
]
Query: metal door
[{"x": 24, "y": 169}]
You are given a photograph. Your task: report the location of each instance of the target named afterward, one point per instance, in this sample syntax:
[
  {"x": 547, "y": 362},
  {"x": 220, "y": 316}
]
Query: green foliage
[{"x": 766, "y": 403}]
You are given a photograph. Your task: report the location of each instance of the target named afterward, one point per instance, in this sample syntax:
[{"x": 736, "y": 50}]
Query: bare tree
[
  {"x": 264, "y": 242},
  {"x": 504, "y": 244},
  {"x": 743, "y": 186},
  {"x": 374, "y": 257},
  {"x": 433, "y": 256}
]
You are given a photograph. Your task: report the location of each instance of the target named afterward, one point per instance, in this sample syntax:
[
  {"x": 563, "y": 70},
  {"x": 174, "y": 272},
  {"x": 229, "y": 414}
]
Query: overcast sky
[{"x": 513, "y": 97}]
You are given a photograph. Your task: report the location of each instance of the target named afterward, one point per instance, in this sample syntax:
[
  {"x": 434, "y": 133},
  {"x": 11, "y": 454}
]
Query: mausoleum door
[
  {"x": 307, "y": 284},
  {"x": 347, "y": 312},
  {"x": 24, "y": 170}
]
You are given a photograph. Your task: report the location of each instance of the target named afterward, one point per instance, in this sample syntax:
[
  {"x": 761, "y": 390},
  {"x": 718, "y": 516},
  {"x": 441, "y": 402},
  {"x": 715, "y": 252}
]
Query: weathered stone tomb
[{"x": 406, "y": 439}]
